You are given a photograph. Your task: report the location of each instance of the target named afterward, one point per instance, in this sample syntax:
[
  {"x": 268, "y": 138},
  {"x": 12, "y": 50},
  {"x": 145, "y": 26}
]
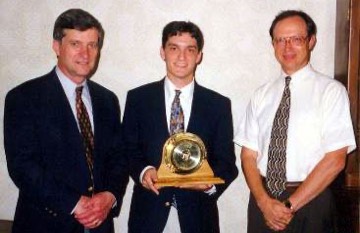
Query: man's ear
[
  {"x": 56, "y": 47},
  {"x": 162, "y": 53},
  {"x": 312, "y": 42},
  {"x": 199, "y": 57}
]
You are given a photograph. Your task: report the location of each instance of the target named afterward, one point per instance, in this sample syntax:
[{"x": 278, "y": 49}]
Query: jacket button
[
  {"x": 167, "y": 204},
  {"x": 90, "y": 189}
]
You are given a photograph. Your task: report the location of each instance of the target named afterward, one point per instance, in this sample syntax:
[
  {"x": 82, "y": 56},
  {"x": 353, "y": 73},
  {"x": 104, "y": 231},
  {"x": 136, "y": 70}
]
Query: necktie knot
[
  {"x": 79, "y": 90},
  {"x": 177, "y": 93},
  {"x": 287, "y": 80},
  {"x": 177, "y": 98}
]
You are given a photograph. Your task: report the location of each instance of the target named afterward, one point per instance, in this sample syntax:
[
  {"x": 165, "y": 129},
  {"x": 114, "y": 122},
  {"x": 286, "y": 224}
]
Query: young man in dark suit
[
  {"x": 146, "y": 127},
  {"x": 62, "y": 139}
]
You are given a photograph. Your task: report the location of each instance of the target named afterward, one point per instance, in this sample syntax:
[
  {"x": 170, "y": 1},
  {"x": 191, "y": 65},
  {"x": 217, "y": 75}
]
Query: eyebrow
[{"x": 174, "y": 44}]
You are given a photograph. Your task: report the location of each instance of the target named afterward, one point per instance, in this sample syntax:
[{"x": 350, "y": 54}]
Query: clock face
[{"x": 184, "y": 153}]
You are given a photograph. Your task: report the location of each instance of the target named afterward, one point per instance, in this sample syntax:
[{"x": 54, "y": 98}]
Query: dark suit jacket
[
  {"x": 46, "y": 157},
  {"x": 145, "y": 132}
]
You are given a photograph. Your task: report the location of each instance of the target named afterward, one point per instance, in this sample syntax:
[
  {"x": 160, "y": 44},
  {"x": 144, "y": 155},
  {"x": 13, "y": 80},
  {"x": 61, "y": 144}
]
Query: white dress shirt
[
  {"x": 319, "y": 121},
  {"x": 69, "y": 89},
  {"x": 186, "y": 98}
]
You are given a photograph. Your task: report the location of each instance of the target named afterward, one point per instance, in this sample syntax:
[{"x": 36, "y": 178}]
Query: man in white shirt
[{"x": 318, "y": 135}]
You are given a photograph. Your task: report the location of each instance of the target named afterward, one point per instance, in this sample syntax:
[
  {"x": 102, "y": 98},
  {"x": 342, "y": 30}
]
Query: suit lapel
[
  {"x": 96, "y": 100},
  {"x": 59, "y": 106},
  {"x": 94, "y": 104},
  {"x": 158, "y": 108},
  {"x": 62, "y": 122},
  {"x": 195, "y": 109},
  {"x": 101, "y": 114},
  {"x": 201, "y": 114}
]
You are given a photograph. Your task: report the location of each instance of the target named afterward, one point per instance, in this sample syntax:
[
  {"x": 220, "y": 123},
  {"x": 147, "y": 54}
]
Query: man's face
[
  {"x": 77, "y": 53},
  {"x": 291, "y": 44},
  {"x": 181, "y": 55}
]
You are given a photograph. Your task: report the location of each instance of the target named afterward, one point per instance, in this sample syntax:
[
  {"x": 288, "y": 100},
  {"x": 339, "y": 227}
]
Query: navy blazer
[
  {"x": 145, "y": 131},
  {"x": 46, "y": 157}
]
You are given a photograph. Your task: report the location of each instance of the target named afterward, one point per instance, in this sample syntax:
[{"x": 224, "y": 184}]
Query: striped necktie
[{"x": 276, "y": 166}]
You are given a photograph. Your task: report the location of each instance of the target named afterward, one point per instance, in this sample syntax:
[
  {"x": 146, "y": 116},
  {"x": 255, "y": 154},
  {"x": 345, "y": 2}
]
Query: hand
[
  {"x": 276, "y": 215},
  {"x": 82, "y": 208},
  {"x": 82, "y": 205},
  {"x": 197, "y": 187},
  {"x": 98, "y": 208},
  {"x": 149, "y": 179}
]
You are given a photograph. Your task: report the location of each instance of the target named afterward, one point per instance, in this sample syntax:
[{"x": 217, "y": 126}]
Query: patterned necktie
[
  {"x": 276, "y": 167},
  {"x": 86, "y": 131},
  {"x": 177, "y": 115}
]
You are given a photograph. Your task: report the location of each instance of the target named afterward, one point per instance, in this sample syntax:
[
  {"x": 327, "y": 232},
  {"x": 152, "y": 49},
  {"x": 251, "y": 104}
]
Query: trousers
[{"x": 316, "y": 216}]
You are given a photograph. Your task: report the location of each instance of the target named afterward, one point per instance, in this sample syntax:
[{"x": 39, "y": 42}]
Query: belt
[
  {"x": 290, "y": 186},
  {"x": 293, "y": 184}
]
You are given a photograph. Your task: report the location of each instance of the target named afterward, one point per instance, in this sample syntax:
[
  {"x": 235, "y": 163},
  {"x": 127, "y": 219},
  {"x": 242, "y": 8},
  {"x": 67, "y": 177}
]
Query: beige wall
[{"x": 237, "y": 58}]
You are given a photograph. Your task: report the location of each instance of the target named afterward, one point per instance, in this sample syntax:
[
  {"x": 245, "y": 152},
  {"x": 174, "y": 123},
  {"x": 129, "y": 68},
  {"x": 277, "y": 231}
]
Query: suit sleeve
[
  {"x": 23, "y": 153},
  {"x": 222, "y": 157},
  {"x": 116, "y": 167},
  {"x": 131, "y": 138}
]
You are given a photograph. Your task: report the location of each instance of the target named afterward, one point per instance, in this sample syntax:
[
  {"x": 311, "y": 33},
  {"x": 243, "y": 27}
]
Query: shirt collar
[
  {"x": 68, "y": 85},
  {"x": 299, "y": 75},
  {"x": 186, "y": 91}
]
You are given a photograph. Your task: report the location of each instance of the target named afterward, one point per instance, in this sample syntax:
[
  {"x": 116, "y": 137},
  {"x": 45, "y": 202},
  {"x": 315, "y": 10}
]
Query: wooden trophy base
[{"x": 204, "y": 175}]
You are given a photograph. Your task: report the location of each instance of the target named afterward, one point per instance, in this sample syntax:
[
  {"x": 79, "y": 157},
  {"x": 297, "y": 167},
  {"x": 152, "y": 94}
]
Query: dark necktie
[
  {"x": 86, "y": 132},
  {"x": 177, "y": 115},
  {"x": 276, "y": 166}
]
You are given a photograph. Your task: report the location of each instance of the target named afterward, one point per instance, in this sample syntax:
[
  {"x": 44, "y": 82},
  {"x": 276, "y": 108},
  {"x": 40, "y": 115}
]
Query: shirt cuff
[
  {"x": 211, "y": 191},
  {"x": 73, "y": 210},
  {"x": 115, "y": 202},
  {"x": 143, "y": 171}
]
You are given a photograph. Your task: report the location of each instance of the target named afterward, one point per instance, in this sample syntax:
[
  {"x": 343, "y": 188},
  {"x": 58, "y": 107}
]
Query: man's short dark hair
[
  {"x": 178, "y": 27},
  {"x": 77, "y": 19},
  {"x": 310, "y": 24}
]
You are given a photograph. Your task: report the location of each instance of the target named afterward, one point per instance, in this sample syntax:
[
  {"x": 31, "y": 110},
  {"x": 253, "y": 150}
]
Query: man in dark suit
[
  {"x": 146, "y": 127},
  {"x": 62, "y": 139}
]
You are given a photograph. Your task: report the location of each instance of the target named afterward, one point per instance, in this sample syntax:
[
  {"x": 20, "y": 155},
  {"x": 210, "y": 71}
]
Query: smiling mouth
[
  {"x": 82, "y": 63},
  {"x": 181, "y": 65},
  {"x": 289, "y": 56}
]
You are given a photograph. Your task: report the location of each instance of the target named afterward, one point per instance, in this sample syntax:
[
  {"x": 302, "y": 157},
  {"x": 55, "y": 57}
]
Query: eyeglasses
[{"x": 293, "y": 40}]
